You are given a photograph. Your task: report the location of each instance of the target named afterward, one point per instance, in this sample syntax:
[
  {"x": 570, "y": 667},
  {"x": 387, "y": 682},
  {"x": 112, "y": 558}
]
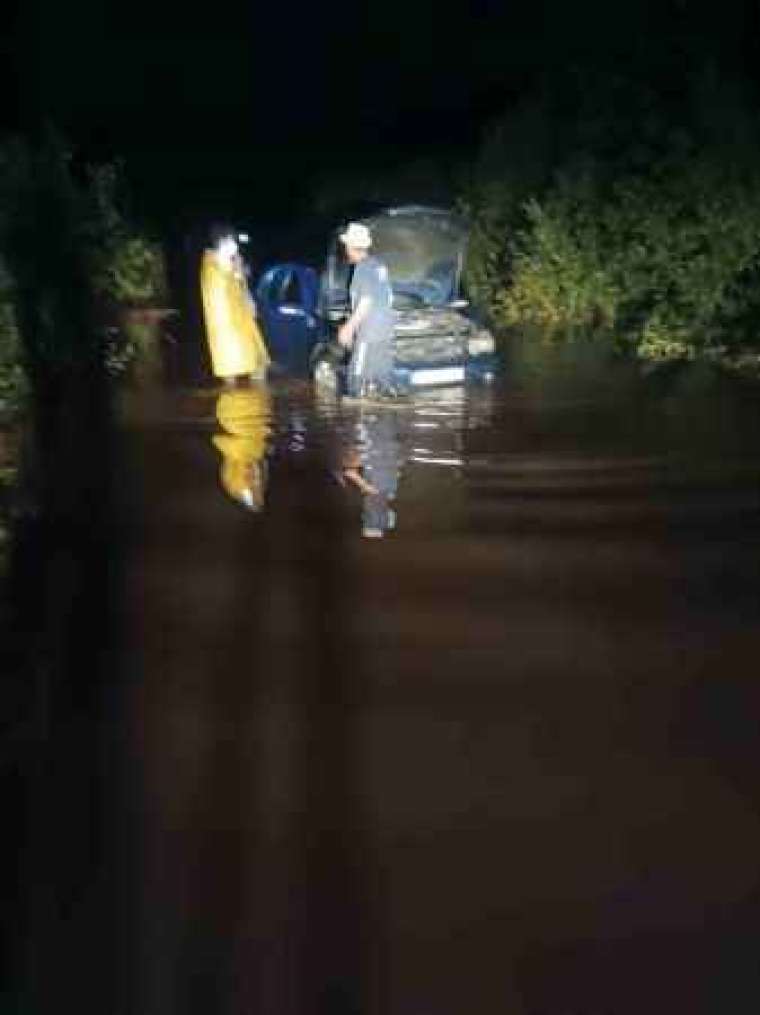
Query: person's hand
[
  {"x": 345, "y": 335},
  {"x": 355, "y": 477}
]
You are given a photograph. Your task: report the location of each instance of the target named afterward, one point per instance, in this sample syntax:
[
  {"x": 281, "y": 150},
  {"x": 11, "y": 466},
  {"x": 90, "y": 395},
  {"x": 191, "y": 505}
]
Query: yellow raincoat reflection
[
  {"x": 244, "y": 414},
  {"x": 234, "y": 339}
]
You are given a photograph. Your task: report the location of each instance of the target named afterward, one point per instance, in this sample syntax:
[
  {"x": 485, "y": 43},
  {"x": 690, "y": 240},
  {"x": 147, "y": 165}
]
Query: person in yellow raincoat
[
  {"x": 235, "y": 343},
  {"x": 245, "y": 416}
]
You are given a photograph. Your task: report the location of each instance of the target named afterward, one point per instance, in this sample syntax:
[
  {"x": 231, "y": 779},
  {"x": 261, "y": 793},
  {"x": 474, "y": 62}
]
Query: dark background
[{"x": 245, "y": 108}]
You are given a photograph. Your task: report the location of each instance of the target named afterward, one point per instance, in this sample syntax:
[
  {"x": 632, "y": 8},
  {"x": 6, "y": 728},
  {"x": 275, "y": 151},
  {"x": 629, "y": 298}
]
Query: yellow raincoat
[
  {"x": 244, "y": 413},
  {"x": 234, "y": 339}
]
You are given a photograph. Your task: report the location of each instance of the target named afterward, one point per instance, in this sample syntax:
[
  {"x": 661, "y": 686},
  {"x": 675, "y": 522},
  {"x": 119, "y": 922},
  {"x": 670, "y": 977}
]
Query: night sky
[{"x": 242, "y": 107}]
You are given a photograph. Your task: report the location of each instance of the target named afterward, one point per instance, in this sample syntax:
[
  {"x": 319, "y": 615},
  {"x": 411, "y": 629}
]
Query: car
[
  {"x": 439, "y": 339},
  {"x": 286, "y": 303}
]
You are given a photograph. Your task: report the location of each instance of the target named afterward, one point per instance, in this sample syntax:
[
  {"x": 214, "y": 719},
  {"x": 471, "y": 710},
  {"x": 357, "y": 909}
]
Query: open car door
[{"x": 286, "y": 299}]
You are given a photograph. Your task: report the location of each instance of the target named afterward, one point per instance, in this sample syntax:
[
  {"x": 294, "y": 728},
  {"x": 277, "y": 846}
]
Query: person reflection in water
[
  {"x": 235, "y": 343},
  {"x": 244, "y": 414},
  {"x": 373, "y": 466}
]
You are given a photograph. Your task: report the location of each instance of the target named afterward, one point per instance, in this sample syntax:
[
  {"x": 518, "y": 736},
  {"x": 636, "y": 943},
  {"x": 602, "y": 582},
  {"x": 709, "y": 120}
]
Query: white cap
[{"x": 357, "y": 236}]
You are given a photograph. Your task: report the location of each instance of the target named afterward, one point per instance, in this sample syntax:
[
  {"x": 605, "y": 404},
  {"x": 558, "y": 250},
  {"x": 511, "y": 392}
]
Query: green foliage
[
  {"x": 12, "y": 375},
  {"x": 126, "y": 267},
  {"x": 137, "y": 271},
  {"x": 41, "y": 240},
  {"x": 639, "y": 222},
  {"x": 71, "y": 258}
]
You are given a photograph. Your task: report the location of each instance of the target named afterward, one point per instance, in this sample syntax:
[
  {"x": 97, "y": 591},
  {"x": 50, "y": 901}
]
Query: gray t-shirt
[{"x": 371, "y": 279}]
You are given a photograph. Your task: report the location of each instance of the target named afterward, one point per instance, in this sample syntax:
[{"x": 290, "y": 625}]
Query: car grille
[{"x": 448, "y": 347}]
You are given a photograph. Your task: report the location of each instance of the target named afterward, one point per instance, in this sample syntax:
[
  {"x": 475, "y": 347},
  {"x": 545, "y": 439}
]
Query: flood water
[{"x": 443, "y": 709}]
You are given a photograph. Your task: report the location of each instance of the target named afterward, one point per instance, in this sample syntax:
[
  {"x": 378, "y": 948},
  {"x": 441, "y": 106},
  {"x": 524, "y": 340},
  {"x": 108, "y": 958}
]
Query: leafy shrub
[
  {"x": 137, "y": 271},
  {"x": 654, "y": 239},
  {"x": 72, "y": 261},
  {"x": 12, "y": 375},
  {"x": 127, "y": 268}
]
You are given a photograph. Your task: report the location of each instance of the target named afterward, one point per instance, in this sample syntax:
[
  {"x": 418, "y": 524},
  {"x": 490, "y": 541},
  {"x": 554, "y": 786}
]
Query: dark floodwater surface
[{"x": 421, "y": 711}]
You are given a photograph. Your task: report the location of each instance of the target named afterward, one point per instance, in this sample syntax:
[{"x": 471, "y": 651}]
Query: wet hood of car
[
  {"x": 430, "y": 318},
  {"x": 424, "y": 250}
]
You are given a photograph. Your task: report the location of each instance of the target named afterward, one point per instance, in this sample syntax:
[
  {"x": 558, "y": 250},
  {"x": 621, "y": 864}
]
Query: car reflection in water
[{"x": 244, "y": 414}]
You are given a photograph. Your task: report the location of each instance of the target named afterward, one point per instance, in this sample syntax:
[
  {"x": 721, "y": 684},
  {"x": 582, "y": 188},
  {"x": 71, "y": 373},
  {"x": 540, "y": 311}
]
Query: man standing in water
[
  {"x": 235, "y": 343},
  {"x": 369, "y": 329}
]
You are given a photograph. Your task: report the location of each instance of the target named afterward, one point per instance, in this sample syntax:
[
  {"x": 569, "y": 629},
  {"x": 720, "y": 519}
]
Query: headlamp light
[{"x": 481, "y": 344}]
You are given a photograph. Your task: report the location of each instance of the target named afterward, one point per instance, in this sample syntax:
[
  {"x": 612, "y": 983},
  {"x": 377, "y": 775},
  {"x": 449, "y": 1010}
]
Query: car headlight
[{"x": 480, "y": 344}]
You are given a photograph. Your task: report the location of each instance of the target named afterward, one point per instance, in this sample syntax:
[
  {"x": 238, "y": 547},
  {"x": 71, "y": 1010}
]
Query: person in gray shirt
[{"x": 369, "y": 329}]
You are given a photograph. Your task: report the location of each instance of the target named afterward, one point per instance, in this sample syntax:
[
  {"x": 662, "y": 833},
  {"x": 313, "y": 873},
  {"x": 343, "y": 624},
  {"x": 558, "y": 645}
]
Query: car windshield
[{"x": 423, "y": 249}]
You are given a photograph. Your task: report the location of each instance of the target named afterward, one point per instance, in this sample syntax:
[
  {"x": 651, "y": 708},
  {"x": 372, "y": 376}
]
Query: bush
[
  {"x": 72, "y": 262},
  {"x": 12, "y": 374},
  {"x": 653, "y": 239},
  {"x": 137, "y": 271},
  {"x": 127, "y": 268}
]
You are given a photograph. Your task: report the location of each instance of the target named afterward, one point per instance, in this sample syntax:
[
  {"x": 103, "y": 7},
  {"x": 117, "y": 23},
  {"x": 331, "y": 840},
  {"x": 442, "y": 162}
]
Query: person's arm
[
  {"x": 348, "y": 330},
  {"x": 355, "y": 477}
]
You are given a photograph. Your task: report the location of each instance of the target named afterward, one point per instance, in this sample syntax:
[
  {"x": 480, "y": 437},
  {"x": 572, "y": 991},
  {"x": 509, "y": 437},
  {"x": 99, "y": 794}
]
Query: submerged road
[{"x": 502, "y": 759}]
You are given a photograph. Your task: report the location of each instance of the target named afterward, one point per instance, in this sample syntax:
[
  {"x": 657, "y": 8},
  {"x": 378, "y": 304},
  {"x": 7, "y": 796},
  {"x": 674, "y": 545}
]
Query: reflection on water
[
  {"x": 366, "y": 448},
  {"x": 372, "y": 446},
  {"x": 373, "y": 465},
  {"x": 487, "y": 762},
  {"x": 464, "y": 457},
  {"x": 244, "y": 414}
]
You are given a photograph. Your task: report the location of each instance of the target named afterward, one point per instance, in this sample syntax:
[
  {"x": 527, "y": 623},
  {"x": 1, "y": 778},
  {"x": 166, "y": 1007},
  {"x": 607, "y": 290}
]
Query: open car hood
[{"x": 424, "y": 250}]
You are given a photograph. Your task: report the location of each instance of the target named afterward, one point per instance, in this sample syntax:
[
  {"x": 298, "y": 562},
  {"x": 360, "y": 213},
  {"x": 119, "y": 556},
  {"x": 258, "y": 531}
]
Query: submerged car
[{"x": 438, "y": 337}]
